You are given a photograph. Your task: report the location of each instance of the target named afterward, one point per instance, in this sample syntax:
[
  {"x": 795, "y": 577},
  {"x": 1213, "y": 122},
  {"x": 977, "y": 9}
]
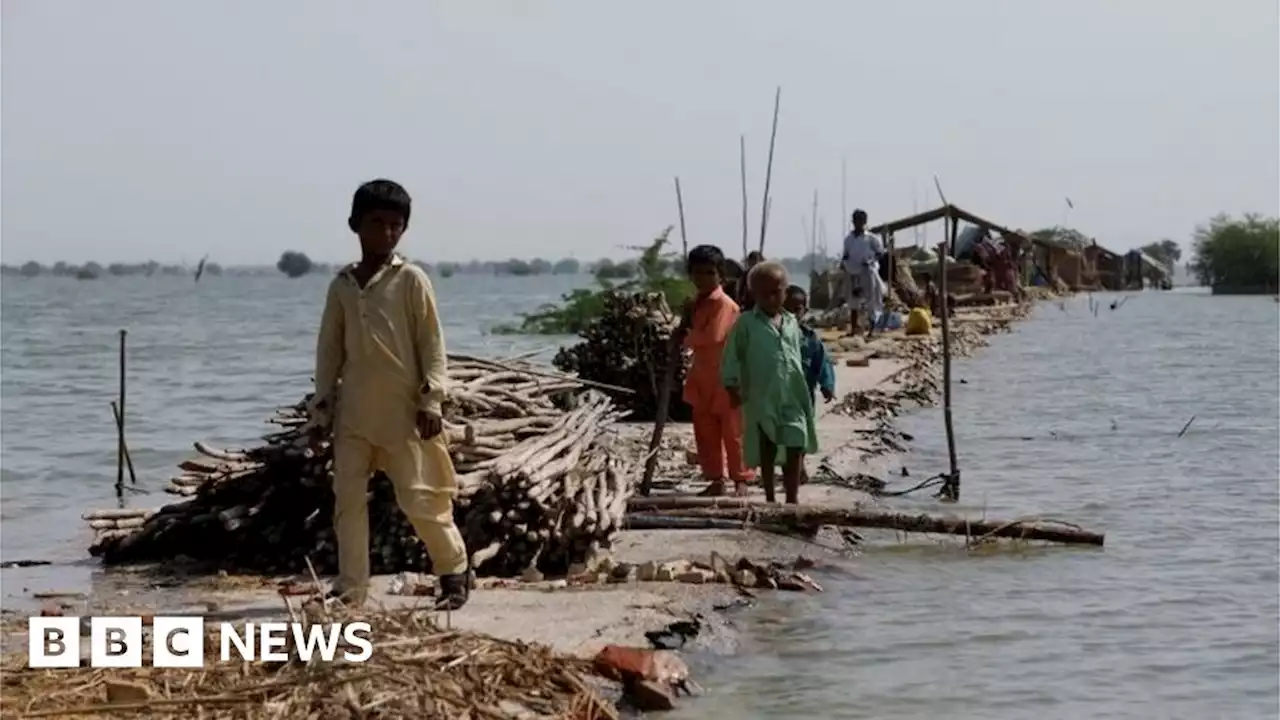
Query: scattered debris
[
  {"x": 23, "y": 563},
  {"x": 1186, "y": 427}
]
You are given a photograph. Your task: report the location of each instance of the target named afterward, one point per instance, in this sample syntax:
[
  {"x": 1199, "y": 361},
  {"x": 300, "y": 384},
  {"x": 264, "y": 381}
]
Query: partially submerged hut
[
  {"x": 1142, "y": 270},
  {"x": 1107, "y": 267},
  {"x": 1059, "y": 263}
]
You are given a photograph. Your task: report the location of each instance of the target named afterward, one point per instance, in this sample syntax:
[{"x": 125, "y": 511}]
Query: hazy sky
[{"x": 163, "y": 130}]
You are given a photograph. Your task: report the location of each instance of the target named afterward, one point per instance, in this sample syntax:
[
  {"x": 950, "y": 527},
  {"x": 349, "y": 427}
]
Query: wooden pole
[
  {"x": 768, "y": 171},
  {"x": 684, "y": 241},
  {"x": 813, "y": 228},
  {"x": 663, "y": 409},
  {"x": 951, "y": 487},
  {"x": 844, "y": 196},
  {"x": 915, "y": 209},
  {"x": 755, "y": 512},
  {"x": 128, "y": 459},
  {"x": 768, "y": 212},
  {"x": 120, "y": 423},
  {"x": 891, "y": 246},
  {"x": 742, "y": 163}
]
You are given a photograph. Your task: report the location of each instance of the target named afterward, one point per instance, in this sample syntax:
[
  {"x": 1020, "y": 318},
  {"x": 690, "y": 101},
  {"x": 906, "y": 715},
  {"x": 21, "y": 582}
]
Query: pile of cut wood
[
  {"x": 539, "y": 486},
  {"x": 627, "y": 346}
]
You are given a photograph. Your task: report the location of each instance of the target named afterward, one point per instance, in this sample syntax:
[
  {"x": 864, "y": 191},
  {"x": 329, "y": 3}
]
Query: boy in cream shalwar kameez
[{"x": 381, "y": 337}]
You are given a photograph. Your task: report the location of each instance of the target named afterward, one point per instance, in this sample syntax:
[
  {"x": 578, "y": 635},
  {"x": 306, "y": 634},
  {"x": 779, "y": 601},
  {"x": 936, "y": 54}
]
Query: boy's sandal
[{"x": 714, "y": 489}]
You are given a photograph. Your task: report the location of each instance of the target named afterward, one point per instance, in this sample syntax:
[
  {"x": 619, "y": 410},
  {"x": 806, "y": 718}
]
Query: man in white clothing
[{"x": 861, "y": 263}]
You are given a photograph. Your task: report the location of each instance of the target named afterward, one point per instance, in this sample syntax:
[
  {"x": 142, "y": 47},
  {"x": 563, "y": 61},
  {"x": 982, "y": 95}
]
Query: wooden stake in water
[
  {"x": 951, "y": 487},
  {"x": 768, "y": 170},
  {"x": 120, "y": 422},
  {"x": 124, "y": 445},
  {"x": 742, "y": 162},
  {"x": 684, "y": 241}
]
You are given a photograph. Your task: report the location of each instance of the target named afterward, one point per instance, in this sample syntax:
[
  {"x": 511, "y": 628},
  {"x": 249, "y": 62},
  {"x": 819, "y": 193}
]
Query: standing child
[
  {"x": 818, "y": 373},
  {"x": 763, "y": 372},
  {"x": 717, "y": 425},
  {"x": 381, "y": 337}
]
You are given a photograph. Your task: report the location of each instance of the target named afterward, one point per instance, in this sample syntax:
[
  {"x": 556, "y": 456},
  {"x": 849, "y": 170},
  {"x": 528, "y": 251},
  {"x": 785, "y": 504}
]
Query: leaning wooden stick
[
  {"x": 768, "y": 171},
  {"x": 124, "y": 446},
  {"x": 684, "y": 240},
  {"x": 1186, "y": 427},
  {"x": 664, "y": 406}
]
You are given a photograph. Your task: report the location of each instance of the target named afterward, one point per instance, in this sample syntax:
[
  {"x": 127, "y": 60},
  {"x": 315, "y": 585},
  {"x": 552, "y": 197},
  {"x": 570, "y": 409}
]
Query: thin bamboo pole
[
  {"x": 813, "y": 228},
  {"x": 742, "y": 163},
  {"x": 128, "y": 458},
  {"x": 768, "y": 172},
  {"x": 120, "y": 448},
  {"x": 768, "y": 212},
  {"x": 684, "y": 240},
  {"x": 951, "y": 487},
  {"x": 844, "y": 195}
]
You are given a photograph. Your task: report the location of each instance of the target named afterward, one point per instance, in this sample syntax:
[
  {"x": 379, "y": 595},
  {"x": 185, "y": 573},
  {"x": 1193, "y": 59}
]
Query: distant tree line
[
  {"x": 297, "y": 264},
  {"x": 93, "y": 269}
]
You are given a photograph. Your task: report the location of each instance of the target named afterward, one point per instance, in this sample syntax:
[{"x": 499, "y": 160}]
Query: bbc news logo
[{"x": 178, "y": 642}]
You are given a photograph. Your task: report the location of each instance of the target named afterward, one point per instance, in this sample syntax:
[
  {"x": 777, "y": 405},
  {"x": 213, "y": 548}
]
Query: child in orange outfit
[{"x": 717, "y": 425}]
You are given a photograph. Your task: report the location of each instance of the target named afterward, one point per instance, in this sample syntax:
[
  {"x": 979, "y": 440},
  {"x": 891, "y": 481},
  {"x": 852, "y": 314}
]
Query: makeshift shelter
[{"x": 959, "y": 245}]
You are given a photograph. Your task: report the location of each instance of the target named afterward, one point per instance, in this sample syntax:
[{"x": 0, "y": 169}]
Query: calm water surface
[{"x": 1072, "y": 416}]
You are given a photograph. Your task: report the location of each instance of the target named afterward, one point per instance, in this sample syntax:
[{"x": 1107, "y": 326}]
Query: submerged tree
[
  {"x": 294, "y": 264},
  {"x": 1166, "y": 251},
  {"x": 567, "y": 266},
  {"x": 1241, "y": 255}
]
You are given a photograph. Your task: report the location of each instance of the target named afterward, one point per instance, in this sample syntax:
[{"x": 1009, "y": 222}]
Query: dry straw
[{"x": 417, "y": 669}]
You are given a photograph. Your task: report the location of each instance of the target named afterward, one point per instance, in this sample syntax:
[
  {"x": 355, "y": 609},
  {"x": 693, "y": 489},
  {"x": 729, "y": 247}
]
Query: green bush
[
  {"x": 656, "y": 270},
  {"x": 1241, "y": 254}
]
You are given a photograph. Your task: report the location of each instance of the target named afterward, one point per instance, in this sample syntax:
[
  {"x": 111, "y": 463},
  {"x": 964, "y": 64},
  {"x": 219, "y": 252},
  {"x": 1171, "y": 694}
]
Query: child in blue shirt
[{"x": 818, "y": 372}]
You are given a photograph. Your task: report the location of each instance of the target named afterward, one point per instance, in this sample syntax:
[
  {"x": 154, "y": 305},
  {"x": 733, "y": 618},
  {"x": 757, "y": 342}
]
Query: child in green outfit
[{"x": 763, "y": 373}]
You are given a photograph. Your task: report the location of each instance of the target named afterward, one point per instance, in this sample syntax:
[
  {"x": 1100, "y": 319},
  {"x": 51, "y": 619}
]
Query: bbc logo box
[
  {"x": 179, "y": 641},
  {"x": 115, "y": 642}
]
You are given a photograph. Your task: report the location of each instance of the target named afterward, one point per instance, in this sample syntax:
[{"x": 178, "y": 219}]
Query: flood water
[{"x": 1072, "y": 416}]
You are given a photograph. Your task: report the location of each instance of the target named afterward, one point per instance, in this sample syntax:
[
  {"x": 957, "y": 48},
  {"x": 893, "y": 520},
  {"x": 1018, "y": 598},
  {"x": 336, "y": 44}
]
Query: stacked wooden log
[
  {"x": 628, "y": 346},
  {"x": 539, "y": 486}
]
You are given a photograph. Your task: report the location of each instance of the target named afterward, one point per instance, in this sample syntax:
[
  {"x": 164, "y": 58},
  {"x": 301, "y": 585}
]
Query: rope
[{"x": 934, "y": 481}]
